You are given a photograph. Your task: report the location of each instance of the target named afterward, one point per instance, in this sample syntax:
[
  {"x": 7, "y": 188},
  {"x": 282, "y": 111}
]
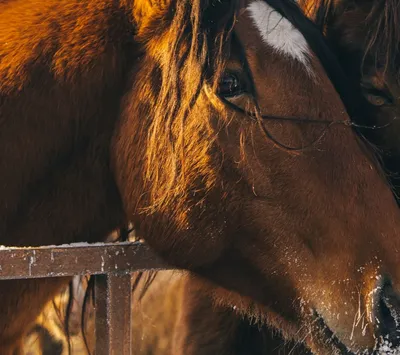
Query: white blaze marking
[{"x": 279, "y": 33}]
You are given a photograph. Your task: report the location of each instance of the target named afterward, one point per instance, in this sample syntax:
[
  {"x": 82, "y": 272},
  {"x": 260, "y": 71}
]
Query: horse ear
[{"x": 150, "y": 15}]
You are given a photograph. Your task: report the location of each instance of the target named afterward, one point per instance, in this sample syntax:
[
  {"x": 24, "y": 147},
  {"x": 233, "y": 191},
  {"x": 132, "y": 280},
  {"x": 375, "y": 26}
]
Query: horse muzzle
[{"x": 380, "y": 327}]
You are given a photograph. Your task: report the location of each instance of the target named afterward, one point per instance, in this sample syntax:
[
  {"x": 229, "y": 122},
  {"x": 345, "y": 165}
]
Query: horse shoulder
[{"x": 63, "y": 67}]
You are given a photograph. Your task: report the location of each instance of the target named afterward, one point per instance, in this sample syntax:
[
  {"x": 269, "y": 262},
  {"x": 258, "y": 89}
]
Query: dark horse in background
[
  {"x": 222, "y": 129},
  {"x": 365, "y": 36}
]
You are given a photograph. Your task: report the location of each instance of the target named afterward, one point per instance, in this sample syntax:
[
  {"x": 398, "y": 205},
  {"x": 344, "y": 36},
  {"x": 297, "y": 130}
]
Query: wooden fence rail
[{"x": 112, "y": 265}]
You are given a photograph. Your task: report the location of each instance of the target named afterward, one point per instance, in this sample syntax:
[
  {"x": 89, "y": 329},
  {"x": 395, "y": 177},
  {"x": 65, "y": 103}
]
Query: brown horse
[
  {"x": 367, "y": 40},
  {"x": 352, "y": 27},
  {"x": 219, "y": 100},
  {"x": 222, "y": 206}
]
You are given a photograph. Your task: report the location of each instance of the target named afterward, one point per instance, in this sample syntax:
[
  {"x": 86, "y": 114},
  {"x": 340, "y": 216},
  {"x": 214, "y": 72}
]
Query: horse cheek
[{"x": 187, "y": 240}]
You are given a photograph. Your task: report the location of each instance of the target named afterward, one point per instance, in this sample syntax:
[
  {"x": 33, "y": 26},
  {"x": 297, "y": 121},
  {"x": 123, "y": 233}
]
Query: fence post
[
  {"x": 110, "y": 263},
  {"x": 113, "y": 314}
]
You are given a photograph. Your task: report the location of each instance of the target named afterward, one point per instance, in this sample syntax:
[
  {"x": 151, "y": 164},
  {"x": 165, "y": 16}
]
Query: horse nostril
[{"x": 386, "y": 313}]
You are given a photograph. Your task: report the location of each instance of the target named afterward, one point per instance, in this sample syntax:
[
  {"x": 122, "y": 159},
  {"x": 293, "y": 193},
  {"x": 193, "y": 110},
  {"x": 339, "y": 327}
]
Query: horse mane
[
  {"x": 320, "y": 11},
  {"x": 380, "y": 22},
  {"x": 185, "y": 54},
  {"x": 383, "y": 38}
]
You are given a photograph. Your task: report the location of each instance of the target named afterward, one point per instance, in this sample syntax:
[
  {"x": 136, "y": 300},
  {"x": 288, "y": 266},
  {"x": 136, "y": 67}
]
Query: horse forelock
[
  {"x": 369, "y": 27},
  {"x": 383, "y": 39},
  {"x": 183, "y": 56}
]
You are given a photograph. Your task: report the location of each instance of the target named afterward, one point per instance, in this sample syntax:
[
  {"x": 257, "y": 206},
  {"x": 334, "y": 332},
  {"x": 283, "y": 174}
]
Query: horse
[
  {"x": 366, "y": 40},
  {"x": 348, "y": 26},
  {"x": 178, "y": 174},
  {"x": 365, "y": 37},
  {"x": 222, "y": 129}
]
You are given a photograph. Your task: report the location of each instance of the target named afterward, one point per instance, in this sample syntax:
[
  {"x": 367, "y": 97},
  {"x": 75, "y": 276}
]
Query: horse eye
[
  {"x": 230, "y": 85},
  {"x": 377, "y": 100},
  {"x": 377, "y": 97}
]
